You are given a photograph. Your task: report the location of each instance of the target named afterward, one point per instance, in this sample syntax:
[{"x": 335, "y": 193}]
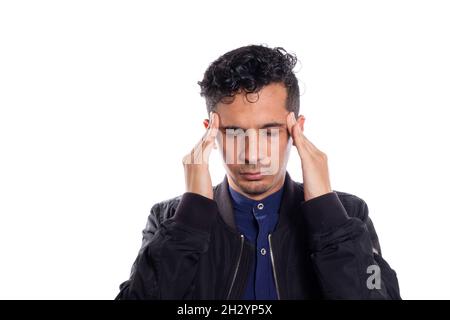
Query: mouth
[{"x": 252, "y": 176}]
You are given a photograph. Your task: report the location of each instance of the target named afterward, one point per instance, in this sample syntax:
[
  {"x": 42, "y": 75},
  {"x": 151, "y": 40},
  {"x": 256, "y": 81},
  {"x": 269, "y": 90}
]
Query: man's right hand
[{"x": 196, "y": 168}]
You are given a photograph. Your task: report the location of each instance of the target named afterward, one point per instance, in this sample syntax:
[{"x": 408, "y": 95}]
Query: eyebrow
[{"x": 265, "y": 126}]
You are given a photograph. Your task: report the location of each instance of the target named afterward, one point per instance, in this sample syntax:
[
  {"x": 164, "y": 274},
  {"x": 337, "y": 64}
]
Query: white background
[{"x": 99, "y": 102}]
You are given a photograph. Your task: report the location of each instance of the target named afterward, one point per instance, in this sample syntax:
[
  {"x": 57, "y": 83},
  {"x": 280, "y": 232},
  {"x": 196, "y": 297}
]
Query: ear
[
  {"x": 301, "y": 121},
  {"x": 206, "y": 124}
]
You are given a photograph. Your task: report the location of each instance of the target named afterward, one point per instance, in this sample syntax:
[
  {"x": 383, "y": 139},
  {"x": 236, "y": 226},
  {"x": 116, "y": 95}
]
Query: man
[{"x": 258, "y": 234}]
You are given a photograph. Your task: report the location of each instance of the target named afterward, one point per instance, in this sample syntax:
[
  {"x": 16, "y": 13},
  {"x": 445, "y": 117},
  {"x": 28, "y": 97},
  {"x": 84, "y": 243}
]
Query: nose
[{"x": 252, "y": 147}]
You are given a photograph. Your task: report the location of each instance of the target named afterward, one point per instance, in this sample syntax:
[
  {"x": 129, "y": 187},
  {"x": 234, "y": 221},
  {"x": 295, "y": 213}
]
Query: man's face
[{"x": 256, "y": 167}]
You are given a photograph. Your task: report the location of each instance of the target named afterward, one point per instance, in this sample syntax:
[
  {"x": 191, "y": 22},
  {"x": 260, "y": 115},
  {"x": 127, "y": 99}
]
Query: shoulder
[
  {"x": 165, "y": 209},
  {"x": 162, "y": 211},
  {"x": 353, "y": 204}
]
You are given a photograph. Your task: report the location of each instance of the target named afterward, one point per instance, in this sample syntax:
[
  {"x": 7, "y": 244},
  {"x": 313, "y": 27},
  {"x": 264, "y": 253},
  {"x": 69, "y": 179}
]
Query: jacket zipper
[
  {"x": 273, "y": 266},
  {"x": 237, "y": 267}
]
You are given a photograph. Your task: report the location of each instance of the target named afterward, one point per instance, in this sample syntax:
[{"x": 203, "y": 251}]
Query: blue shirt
[{"x": 255, "y": 219}]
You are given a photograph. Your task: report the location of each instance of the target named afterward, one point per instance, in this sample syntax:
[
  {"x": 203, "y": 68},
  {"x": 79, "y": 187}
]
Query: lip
[{"x": 252, "y": 175}]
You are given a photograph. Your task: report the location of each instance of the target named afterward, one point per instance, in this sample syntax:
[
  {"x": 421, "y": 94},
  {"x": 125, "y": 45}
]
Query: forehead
[{"x": 255, "y": 111}]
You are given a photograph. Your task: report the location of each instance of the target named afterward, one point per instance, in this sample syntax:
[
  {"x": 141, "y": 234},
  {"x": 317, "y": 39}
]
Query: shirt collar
[{"x": 269, "y": 204}]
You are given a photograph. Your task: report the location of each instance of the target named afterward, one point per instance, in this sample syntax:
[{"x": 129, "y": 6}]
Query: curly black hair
[{"x": 248, "y": 69}]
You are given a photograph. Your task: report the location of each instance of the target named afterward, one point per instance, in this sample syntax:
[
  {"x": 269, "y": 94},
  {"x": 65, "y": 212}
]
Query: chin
[{"x": 255, "y": 187}]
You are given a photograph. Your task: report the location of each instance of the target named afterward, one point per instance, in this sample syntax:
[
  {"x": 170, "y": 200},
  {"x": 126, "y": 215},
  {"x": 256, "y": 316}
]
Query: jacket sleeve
[
  {"x": 345, "y": 251},
  {"x": 167, "y": 260}
]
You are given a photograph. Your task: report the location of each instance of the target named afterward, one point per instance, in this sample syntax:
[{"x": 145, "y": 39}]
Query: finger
[
  {"x": 298, "y": 141},
  {"x": 294, "y": 130},
  {"x": 215, "y": 129},
  {"x": 203, "y": 148},
  {"x": 212, "y": 134},
  {"x": 214, "y": 124},
  {"x": 209, "y": 130},
  {"x": 195, "y": 155},
  {"x": 289, "y": 122}
]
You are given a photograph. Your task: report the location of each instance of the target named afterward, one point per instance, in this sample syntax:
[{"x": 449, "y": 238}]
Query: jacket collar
[{"x": 290, "y": 202}]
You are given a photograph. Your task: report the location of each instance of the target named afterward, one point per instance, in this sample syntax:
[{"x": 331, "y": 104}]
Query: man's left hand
[{"x": 316, "y": 180}]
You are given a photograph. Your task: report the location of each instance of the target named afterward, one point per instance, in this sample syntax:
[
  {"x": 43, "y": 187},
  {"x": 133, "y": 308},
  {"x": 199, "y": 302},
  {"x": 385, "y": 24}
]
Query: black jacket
[{"x": 324, "y": 248}]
